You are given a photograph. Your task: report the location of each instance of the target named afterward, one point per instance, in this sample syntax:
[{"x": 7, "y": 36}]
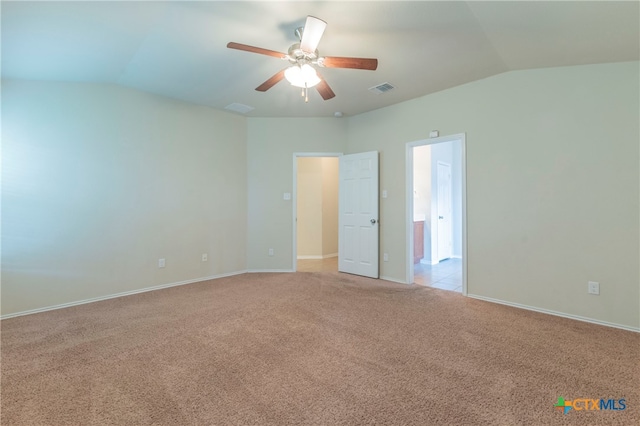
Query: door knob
[{"x": 373, "y": 221}]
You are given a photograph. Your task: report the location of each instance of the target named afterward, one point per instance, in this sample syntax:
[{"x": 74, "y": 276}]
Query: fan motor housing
[{"x": 297, "y": 55}]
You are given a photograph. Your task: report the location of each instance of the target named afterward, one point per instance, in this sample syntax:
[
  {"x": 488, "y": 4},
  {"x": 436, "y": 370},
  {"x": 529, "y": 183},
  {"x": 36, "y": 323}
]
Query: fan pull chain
[{"x": 304, "y": 92}]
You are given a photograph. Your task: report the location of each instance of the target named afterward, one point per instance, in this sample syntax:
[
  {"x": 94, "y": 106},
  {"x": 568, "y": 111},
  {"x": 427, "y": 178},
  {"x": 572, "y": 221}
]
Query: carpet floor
[{"x": 311, "y": 349}]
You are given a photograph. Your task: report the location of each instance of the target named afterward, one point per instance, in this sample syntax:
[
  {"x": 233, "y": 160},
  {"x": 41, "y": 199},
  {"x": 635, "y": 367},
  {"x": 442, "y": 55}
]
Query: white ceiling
[{"x": 178, "y": 49}]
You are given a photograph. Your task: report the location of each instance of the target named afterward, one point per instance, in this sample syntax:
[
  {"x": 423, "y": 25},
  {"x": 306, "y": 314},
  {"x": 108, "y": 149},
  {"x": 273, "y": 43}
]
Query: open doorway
[
  {"x": 436, "y": 231},
  {"x": 315, "y": 209}
]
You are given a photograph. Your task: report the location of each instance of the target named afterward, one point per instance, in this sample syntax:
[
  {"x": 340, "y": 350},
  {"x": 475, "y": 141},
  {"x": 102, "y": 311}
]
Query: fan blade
[
  {"x": 324, "y": 89},
  {"x": 357, "y": 63},
  {"x": 312, "y": 33},
  {"x": 254, "y": 49},
  {"x": 271, "y": 82}
]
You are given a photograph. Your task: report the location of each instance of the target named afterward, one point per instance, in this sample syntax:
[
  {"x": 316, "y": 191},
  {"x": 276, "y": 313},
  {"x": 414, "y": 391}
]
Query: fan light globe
[{"x": 302, "y": 76}]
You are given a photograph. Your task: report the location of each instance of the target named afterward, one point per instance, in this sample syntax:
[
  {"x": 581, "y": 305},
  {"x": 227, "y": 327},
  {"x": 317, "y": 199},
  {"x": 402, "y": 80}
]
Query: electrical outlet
[
  {"x": 160, "y": 263},
  {"x": 205, "y": 257},
  {"x": 594, "y": 287},
  {"x": 270, "y": 252},
  {"x": 385, "y": 257}
]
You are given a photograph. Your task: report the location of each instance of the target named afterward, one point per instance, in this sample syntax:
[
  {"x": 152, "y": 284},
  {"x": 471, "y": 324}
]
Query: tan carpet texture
[{"x": 311, "y": 349}]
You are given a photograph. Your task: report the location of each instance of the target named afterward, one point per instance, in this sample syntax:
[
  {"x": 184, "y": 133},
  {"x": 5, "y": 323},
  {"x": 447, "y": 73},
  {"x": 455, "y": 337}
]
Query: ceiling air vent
[
  {"x": 241, "y": 108},
  {"x": 381, "y": 88}
]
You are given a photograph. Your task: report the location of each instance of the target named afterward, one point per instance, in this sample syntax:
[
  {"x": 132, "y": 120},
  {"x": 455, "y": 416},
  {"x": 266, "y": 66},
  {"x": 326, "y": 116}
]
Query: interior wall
[
  {"x": 422, "y": 193},
  {"x": 309, "y": 204},
  {"x": 99, "y": 182},
  {"x": 330, "y": 183},
  {"x": 552, "y": 184},
  {"x": 422, "y": 182},
  {"x": 317, "y": 207},
  {"x": 271, "y": 143}
]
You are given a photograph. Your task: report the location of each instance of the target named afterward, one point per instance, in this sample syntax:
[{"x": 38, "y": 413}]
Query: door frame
[
  {"x": 409, "y": 201},
  {"x": 294, "y": 199}
]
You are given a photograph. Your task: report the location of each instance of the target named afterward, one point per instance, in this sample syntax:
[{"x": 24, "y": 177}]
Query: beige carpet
[{"x": 310, "y": 349}]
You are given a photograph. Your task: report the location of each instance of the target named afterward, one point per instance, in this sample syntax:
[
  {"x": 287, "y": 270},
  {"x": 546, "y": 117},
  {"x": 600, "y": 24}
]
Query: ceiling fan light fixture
[
  {"x": 302, "y": 76},
  {"x": 302, "y": 56}
]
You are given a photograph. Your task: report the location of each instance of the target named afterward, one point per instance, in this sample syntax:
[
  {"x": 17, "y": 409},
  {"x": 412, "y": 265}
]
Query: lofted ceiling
[{"x": 178, "y": 49}]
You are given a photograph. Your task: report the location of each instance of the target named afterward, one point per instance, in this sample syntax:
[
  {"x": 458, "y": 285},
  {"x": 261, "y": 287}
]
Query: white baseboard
[
  {"x": 558, "y": 314},
  {"x": 393, "y": 280},
  {"x": 317, "y": 257},
  {"x": 213, "y": 277},
  {"x": 113, "y": 296}
]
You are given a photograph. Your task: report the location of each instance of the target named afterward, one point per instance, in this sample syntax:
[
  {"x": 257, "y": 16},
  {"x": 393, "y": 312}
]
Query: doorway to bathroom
[{"x": 436, "y": 231}]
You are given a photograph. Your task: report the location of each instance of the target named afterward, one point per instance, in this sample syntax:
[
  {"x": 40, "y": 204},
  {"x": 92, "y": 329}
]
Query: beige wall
[
  {"x": 309, "y": 205},
  {"x": 99, "y": 182},
  {"x": 422, "y": 182},
  {"x": 330, "y": 183},
  {"x": 552, "y": 184},
  {"x": 422, "y": 195},
  {"x": 271, "y": 143},
  {"x": 317, "y": 207}
]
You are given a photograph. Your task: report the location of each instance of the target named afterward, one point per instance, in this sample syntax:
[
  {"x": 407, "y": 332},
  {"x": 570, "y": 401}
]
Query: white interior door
[
  {"x": 444, "y": 211},
  {"x": 358, "y": 214}
]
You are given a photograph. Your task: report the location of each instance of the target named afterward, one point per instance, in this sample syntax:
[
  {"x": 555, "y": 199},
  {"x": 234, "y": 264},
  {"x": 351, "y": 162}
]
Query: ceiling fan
[{"x": 303, "y": 56}]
